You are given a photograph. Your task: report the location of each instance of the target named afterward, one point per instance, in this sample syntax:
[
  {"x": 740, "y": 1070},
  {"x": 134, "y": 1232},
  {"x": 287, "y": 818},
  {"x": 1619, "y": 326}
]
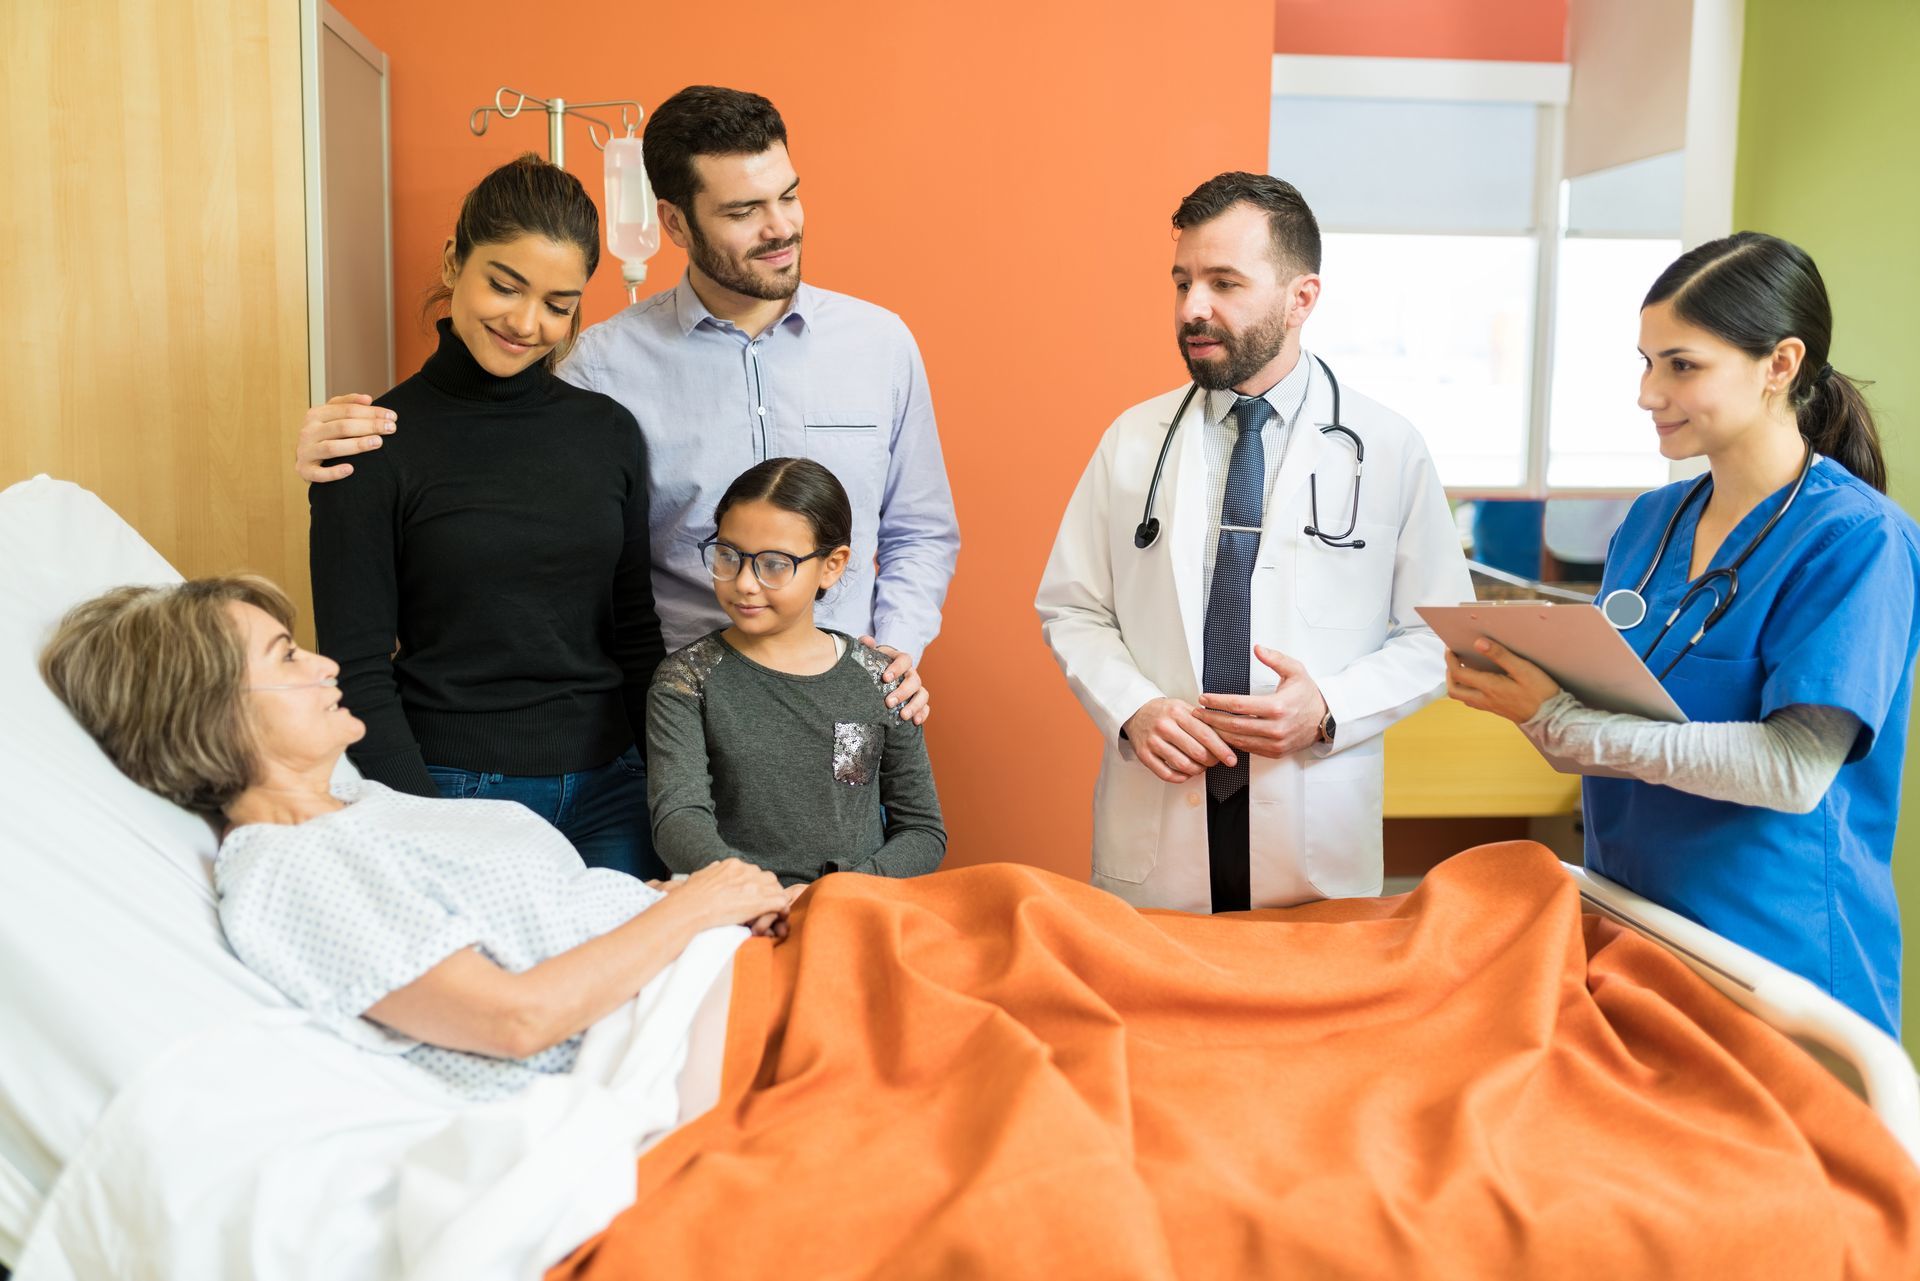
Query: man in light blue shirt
[
  {"x": 740, "y": 362},
  {"x": 832, "y": 378}
]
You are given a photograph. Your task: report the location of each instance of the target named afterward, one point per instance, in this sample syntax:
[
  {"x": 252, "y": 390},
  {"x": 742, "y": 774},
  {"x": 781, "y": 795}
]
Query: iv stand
[{"x": 558, "y": 109}]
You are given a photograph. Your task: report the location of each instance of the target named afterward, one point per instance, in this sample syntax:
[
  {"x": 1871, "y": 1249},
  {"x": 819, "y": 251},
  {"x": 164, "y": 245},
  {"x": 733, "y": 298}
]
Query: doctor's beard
[{"x": 1242, "y": 355}]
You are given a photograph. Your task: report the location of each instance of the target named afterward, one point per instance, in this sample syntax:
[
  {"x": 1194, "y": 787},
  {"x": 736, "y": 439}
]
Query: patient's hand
[
  {"x": 732, "y": 892},
  {"x": 775, "y": 924},
  {"x": 344, "y": 426}
]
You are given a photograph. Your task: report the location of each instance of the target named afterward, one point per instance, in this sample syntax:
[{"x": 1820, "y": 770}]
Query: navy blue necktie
[{"x": 1229, "y": 630}]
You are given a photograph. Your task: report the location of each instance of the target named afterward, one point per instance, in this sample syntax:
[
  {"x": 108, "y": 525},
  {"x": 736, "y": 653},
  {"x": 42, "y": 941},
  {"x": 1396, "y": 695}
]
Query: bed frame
[{"x": 1866, "y": 1059}]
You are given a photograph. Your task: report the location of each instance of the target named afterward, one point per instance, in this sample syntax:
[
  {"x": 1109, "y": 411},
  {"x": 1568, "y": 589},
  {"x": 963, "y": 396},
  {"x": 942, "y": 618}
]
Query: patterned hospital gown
[{"x": 340, "y": 910}]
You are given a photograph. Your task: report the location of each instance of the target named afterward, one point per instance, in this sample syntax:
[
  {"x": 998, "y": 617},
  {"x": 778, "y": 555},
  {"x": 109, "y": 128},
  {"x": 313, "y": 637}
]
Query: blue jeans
[{"x": 602, "y": 811}]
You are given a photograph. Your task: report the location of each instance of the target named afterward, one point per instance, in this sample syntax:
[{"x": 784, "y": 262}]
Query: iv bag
[{"x": 633, "y": 222}]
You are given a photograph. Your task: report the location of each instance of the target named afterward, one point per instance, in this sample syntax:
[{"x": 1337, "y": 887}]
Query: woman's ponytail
[
  {"x": 1754, "y": 291},
  {"x": 1835, "y": 418}
]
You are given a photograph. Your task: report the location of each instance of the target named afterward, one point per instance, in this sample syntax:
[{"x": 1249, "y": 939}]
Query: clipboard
[{"x": 1573, "y": 643}]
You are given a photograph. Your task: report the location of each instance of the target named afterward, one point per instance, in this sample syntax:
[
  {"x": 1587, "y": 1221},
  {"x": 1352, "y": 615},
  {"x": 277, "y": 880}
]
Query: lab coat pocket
[
  {"x": 852, "y": 445},
  {"x": 1127, "y": 805},
  {"x": 1344, "y": 800},
  {"x": 1345, "y": 587}
]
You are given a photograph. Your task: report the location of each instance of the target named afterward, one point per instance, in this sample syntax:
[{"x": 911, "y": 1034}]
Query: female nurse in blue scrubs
[{"x": 1770, "y": 816}]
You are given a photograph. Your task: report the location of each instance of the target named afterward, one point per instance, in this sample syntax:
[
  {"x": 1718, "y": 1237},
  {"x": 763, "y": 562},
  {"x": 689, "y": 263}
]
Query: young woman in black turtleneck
[{"x": 484, "y": 582}]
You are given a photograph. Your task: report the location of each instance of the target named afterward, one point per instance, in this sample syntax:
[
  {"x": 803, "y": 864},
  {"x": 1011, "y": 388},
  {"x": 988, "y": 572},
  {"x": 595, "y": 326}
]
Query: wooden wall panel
[{"x": 155, "y": 269}]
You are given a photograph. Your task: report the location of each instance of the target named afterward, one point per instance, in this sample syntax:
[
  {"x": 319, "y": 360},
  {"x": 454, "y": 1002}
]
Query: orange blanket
[{"x": 996, "y": 1072}]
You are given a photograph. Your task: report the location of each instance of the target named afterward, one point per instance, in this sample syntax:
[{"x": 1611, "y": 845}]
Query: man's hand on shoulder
[
  {"x": 910, "y": 699},
  {"x": 344, "y": 426}
]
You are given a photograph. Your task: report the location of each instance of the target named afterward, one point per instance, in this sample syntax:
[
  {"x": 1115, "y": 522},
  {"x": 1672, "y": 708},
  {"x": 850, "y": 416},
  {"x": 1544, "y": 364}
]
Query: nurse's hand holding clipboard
[{"x": 1516, "y": 691}]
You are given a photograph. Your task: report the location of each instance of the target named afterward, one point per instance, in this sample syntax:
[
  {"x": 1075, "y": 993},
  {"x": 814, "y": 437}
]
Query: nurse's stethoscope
[
  {"x": 1626, "y": 607},
  {"x": 1148, "y": 531}
]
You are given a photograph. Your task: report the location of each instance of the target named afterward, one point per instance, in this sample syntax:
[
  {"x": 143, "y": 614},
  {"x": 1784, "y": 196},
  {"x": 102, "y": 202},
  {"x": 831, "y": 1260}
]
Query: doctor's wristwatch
[{"x": 1327, "y": 727}]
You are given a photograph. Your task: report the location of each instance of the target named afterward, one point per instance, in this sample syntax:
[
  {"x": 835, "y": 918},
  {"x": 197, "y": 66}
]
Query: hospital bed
[{"x": 120, "y": 992}]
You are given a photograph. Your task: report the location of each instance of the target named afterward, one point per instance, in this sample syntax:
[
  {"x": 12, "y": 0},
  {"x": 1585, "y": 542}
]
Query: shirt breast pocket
[
  {"x": 1714, "y": 689},
  {"x": 853, "y": 445}
]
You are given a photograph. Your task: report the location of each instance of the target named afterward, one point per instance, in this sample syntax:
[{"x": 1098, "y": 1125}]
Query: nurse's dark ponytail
[
  {"x": 1752, "y": 290},
  {"x": 1836, "y": 419}
]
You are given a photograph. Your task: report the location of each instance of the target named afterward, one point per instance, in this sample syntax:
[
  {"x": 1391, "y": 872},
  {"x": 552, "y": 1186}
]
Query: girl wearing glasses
[
  {"x": 485, "y": 581},
  {"x": 1775, "y": 599},
  {"x": 771, "y": 739}
]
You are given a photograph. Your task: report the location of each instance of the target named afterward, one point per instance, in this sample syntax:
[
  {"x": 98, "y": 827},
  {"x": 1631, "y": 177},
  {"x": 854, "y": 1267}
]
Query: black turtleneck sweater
[{"x": 483, "y": 578}]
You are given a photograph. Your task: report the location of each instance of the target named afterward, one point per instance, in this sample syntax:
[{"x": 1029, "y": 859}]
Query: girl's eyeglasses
[{"x": 771, "y": 568}]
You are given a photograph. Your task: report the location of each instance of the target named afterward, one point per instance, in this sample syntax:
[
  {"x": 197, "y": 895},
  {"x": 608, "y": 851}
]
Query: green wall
[{"x": 1828, "y": 158}]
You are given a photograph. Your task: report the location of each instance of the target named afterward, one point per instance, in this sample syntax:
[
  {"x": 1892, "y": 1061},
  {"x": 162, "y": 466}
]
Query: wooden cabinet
[{"x": 157, "y": 261}]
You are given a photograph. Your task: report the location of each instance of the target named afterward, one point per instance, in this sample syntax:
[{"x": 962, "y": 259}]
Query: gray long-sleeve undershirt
[{"x": 1785, "y": 762}]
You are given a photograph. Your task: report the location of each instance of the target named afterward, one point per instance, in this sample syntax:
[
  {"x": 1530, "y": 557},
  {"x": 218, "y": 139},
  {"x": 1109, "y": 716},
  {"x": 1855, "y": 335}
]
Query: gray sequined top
[{"x": 790, "y": 772}]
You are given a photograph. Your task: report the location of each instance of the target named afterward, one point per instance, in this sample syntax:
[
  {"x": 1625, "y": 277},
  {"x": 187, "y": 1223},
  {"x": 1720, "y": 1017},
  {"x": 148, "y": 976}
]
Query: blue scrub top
[{"x": 1825, "y": 615}]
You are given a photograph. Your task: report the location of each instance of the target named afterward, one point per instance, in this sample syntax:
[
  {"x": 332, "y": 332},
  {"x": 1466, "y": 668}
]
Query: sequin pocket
[{"x": 856, "y": 752}]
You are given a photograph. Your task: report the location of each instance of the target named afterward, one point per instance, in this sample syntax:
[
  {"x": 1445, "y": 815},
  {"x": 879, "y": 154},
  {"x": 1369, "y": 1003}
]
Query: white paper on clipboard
[{"x": 1574, "y": 644}]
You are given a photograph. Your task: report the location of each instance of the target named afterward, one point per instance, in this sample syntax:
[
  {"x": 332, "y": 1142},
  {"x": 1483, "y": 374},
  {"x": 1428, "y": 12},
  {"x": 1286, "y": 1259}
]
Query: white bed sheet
[{"x": 271, "y": 1149}]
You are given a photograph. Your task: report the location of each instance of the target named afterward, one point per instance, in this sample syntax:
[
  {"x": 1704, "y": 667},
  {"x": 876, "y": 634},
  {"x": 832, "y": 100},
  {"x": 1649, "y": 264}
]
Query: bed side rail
[{"x": 1866, "y": 1058}]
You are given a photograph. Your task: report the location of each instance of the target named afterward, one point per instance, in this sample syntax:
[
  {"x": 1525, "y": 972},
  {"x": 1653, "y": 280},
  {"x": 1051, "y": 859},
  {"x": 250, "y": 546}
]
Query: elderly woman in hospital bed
[
  {"x": 467, "y": 935},
  {"x": 987, "y": 1071}
]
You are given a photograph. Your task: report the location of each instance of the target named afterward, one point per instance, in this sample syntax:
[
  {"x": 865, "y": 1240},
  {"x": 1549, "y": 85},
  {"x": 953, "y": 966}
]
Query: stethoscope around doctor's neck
[
  {"x": 1626, "y": 607},
  {"x": 1148, "y": 531}
]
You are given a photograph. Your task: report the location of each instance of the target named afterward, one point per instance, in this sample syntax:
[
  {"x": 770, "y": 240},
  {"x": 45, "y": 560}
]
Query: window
[
  {"x": 1436, "y": 327},
  {"x": 1622, "y": 230},
  {"x": 1467, "y": 285},
  {"x": 1597, "y": 437}
]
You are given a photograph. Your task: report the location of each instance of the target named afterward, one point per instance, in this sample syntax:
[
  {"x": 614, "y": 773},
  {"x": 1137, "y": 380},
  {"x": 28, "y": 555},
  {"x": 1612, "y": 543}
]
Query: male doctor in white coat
[{"x": 1239, "y": 646}]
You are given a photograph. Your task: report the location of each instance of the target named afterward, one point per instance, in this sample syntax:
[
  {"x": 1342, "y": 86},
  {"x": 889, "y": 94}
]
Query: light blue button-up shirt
[{"x": 834, "y": 379}]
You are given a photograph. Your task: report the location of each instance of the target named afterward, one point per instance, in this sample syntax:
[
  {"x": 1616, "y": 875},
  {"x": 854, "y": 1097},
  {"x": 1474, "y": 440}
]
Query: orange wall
[
  {"x": 1494, "y": 30},
  {"x": 1000, "y": 174}
]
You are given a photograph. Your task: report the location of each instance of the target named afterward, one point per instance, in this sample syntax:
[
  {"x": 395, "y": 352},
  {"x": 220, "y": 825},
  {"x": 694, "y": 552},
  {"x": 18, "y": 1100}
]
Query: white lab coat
[{"x": 1127, "y": 626}]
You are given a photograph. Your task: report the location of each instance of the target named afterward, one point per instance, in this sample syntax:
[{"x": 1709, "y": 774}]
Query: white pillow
[{"x": 110, "y": 948}]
